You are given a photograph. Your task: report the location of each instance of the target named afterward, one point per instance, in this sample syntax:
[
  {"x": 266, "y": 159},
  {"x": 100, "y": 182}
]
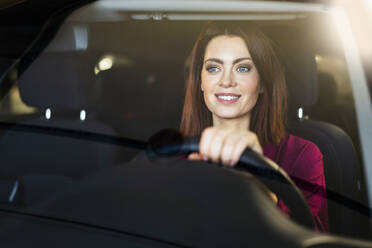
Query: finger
[
  {"x": 251, "y": 141},
  {"x": 195, "y": 156},
  {"x": 215, "y": 147},
  {"x": 205, "y": 141},
  {"x": 239, "y": 148},
  {"x": 228, "y": 149}
]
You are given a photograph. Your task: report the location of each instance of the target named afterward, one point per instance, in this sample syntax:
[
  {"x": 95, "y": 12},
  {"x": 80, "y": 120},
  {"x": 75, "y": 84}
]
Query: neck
[{"x": 236, "y": 123}]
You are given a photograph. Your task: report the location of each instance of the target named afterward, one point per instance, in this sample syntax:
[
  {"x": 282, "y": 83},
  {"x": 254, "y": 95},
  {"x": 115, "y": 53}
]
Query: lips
[{"x": 227, "y": 98}]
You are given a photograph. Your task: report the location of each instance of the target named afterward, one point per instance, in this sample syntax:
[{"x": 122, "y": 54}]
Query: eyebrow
[{"x": 221, "y": 62}]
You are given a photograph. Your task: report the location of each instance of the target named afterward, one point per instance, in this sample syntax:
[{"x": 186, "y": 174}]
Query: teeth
[{"x": 227, "y": 98}]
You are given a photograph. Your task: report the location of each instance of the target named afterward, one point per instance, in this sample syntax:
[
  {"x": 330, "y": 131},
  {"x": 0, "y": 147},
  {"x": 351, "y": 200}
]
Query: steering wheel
[{"x": 170, "y": 143}]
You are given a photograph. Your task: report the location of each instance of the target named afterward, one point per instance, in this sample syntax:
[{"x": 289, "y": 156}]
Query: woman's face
[{"x": 229, "y": 79}]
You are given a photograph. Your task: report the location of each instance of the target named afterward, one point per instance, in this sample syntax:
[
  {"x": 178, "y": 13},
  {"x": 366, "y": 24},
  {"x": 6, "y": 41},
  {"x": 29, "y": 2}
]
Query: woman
[{"x": 236, "y": 99}]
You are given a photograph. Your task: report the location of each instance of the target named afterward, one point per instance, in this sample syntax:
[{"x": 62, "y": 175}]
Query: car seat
[
  {"x": 56, "y": 142},
  {"x": 334, "y": 109},
  {"x": 347, "y": 211},
  {"x": 147, "y": 97}
]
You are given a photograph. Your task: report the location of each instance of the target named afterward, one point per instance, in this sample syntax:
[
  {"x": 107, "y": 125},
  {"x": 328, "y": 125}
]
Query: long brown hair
[{"x": 268, "y": 116}]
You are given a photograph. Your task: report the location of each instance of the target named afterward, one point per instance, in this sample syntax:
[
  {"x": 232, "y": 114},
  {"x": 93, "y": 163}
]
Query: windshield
[{"x": 104, "y": 84}]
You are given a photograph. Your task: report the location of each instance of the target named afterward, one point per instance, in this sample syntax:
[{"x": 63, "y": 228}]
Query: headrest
[
  {"x": 296, "y": 54},
  {"x": 60, "y": 80},
  {"x": 301, "y": 76},
  {"x": 328, "y": 90}
]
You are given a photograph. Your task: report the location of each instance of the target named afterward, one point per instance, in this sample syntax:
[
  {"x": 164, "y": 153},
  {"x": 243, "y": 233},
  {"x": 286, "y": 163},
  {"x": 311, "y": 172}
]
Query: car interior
[{"x": 81, "y": 110}]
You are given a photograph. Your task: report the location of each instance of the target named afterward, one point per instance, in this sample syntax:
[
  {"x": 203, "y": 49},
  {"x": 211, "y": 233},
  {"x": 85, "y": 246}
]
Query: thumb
[{"x": 195, "y": 156}]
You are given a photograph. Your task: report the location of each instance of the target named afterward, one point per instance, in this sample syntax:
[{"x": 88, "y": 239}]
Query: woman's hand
[{"x": 225, "y": 144}]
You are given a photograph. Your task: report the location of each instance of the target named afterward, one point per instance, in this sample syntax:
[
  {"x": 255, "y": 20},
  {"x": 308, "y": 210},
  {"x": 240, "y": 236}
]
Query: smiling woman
[
  {"x": 84, "y": 84},
  {"x": 236, "y": 99},
  {"x": 196, "y": 115},
  {"x": 230, "y": 81}
]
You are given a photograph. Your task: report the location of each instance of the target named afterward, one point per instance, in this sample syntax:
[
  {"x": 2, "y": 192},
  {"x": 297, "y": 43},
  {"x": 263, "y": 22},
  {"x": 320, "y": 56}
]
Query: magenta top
[{"x": 303, "y": 162}]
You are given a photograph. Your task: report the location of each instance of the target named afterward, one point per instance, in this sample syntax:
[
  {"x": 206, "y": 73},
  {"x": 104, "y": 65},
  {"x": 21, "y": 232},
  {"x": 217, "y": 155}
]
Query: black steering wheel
[{"x": 167, "y": 143}]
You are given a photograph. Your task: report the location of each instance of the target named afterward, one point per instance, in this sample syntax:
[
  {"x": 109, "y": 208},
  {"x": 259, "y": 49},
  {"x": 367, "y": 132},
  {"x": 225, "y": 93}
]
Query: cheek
[
  {"x": 250, "y": 85},
  {"x": 255, "y": 89},
  {"x": 208, "y": 92},
  {"x": 202, "y": 81},
  {"x": 208, "y": 82}
]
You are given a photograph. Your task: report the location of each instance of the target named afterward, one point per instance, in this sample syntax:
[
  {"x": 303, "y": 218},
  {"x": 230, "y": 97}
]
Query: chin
[{"x": 227, "y": 115}]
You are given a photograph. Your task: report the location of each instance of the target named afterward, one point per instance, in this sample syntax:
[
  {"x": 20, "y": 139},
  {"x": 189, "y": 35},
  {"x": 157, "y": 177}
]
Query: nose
[{"x": 227, "y": 79}]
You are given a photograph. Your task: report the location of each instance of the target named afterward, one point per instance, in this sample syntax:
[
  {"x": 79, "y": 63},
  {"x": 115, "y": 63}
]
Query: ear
[{"x": 201, "y": 87}]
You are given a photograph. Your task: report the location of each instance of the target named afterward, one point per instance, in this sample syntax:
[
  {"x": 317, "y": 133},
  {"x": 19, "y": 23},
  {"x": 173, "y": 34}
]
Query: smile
[{"x": 227, "y": 98}]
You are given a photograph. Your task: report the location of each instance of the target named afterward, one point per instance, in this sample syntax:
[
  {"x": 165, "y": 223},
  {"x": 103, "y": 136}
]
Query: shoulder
[
  {"x": 299, "y": 157},
  {"x": 292, "y": 150},
  {"x": 305, "y": 149},
  {"x": 306, "y": 157}
]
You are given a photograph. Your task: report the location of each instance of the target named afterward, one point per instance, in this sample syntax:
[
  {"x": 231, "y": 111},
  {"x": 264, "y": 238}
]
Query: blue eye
[
  {"x": 243, "y": 69},
  {"x": 213, "y": 69}
]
